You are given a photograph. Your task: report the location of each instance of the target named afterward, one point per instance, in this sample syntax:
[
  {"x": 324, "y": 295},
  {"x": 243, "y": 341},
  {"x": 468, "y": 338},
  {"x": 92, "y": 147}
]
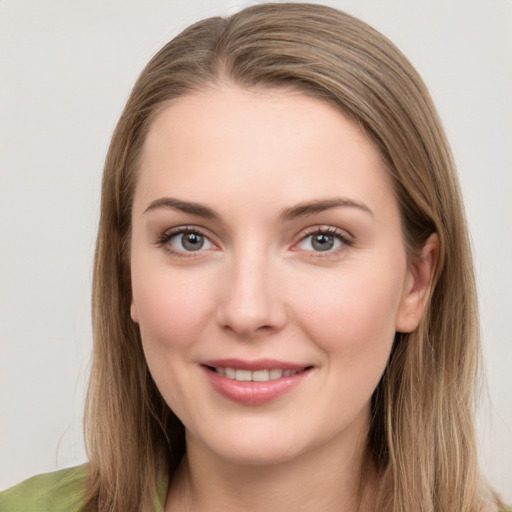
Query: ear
[
  {"x": 417, "y": 286},
  {"x": 133, "y": 312}
]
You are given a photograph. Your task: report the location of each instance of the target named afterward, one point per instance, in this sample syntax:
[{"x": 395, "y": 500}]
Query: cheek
[
  {"x": 171, "y": 306},
  {"x": 352, "y": 318}
]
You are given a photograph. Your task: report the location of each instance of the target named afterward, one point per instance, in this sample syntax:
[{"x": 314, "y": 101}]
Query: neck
[{"x": 327, "y": 478}]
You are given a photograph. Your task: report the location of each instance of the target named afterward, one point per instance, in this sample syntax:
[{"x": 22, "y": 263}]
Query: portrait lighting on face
[{"x": 271, "y": 286}]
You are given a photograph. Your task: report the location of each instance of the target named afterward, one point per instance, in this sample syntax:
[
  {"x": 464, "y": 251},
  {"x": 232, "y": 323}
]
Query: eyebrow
[
  {"x": 299, "y": 210},
  {"x": 312, "y": 207},
  {"x": 185, "y": 206}
]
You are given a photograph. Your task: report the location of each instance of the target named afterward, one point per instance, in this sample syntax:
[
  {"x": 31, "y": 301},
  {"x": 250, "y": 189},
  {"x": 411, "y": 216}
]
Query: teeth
[
  {"x": 243, "y": 375},
  {"x": 256, "y": 376},
  {"x": 261, "y": 375},
  {"x": 275, "y": 373}
]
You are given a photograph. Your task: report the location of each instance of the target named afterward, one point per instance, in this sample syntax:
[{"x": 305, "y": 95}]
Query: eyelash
[
  {"x": 344, "y": 238},
  {"x": 164, "y": 239}
]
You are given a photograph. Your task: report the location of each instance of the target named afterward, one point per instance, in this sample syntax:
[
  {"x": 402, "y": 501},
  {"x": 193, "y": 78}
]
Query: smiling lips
[{"x": 254, "y": 383}]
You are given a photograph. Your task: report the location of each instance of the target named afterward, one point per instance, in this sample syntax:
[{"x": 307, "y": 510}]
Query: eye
[
  {"x": 186, "y": 240},
  {"x": 323, "y": 240}
]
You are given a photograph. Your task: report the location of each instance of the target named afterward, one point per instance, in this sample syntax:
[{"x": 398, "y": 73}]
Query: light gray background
[{"x": 66, "y": 68}]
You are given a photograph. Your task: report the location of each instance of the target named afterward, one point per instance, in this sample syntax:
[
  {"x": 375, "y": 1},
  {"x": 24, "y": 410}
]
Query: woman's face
[{"x": 269, "y": 274}]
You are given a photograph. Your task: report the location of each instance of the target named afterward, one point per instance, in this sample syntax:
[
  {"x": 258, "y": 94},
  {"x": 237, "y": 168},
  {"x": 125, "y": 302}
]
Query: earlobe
[
  {"x": 133, "y": 312},
  {"x": 418, "y": 286}
]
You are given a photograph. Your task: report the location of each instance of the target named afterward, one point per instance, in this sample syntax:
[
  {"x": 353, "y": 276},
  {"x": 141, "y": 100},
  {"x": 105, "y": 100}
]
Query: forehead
[
  {"x": 228, "y": 141},
  {"x": 255, "y": 114}
]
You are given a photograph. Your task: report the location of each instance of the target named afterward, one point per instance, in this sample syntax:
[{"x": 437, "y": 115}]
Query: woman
[{"x": 284, "y": 305}]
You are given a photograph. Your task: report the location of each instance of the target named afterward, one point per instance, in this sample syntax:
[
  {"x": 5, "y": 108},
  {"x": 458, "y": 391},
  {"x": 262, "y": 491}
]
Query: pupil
[
  {"x": 322, "y": 242},
  {"x": 192, "y": 241}
]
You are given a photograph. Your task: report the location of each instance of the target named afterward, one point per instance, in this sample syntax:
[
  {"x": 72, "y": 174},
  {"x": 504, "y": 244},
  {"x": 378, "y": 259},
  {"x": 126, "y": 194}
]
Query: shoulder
[{"x": 60, "y": 491}]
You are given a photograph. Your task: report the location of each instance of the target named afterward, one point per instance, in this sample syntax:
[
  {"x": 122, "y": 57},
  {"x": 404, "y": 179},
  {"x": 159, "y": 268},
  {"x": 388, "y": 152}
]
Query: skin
[{"x": 259, "y": 288}]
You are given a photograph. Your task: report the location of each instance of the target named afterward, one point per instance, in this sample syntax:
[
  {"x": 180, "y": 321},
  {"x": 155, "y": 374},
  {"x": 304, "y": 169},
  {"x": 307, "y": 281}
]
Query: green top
[
  {"x": 63, "y": 491},
  {"x": 60, "y": 491}
]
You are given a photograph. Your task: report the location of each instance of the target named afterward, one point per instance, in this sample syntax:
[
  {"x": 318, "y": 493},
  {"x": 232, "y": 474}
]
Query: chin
[
  {"x": 260, "y": 444},
  {"x": 259, "y": 455}
]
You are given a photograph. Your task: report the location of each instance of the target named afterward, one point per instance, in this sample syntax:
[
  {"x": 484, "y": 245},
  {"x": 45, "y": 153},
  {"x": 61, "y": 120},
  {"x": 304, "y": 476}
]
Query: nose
[{"x": 251, "y": 301}]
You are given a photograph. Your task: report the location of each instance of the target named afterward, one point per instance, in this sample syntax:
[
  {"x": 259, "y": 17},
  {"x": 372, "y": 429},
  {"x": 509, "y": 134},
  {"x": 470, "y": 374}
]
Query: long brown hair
[{"x": 421, "y": 438}]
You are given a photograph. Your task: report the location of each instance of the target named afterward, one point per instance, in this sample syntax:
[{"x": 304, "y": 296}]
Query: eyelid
[
  {"x": 347, "y": 240},
  {"x": 164, "y": 238}
]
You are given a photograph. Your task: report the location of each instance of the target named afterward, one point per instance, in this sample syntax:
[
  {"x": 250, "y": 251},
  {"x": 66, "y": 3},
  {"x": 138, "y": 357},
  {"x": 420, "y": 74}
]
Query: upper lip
[{"x": 254, "y": 365}]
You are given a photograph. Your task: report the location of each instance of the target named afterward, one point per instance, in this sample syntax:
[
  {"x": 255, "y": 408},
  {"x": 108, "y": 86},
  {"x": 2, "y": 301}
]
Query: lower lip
[{"x": 253, "y": 393}]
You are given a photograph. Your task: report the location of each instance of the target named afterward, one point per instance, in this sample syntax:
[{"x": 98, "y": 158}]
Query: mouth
[{"x": 255, "y": 382}]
